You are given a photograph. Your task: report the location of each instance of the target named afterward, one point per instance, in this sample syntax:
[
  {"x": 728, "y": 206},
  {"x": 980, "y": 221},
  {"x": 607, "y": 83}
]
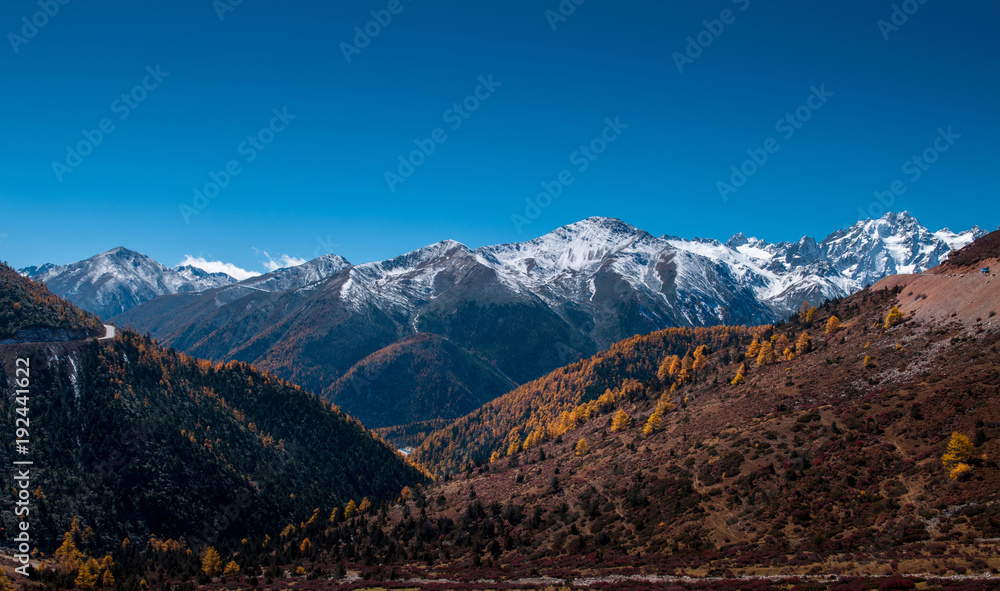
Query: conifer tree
[
  {"x": 740, "y": 375},
  {"x": 67, "y": 556},
  {"x": 959, "y": 451},
  {"x": 654, "y": 424},
  {"x": 766, "y": 354},
  {"x": 86, "y": 577},
  {"x": 365, "y": 506},
  {"x": 232, "y": 569},
  {"x": 832, "y": 325},
  {"x": 351, "y": 509},
  {"x": 5, "y": 584},
  {"x": 620, "y": 421},
  {"x": 754, "y": 349},
  {"x": 804, "y": 343},
  {"x": 894, "y": 317},
  {"x": 211, "y": 562},
  {"x": 581, "y": 448}
]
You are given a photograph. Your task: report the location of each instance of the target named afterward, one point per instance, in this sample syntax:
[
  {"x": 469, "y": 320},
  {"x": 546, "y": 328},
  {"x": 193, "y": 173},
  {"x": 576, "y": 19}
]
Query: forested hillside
[
  {"x": 26, "y": 304},
  {"x": 137, "y": 440}
]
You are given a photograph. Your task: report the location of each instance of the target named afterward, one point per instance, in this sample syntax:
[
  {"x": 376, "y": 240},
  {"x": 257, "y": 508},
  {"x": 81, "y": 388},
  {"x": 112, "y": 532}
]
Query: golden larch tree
[
  {"x": 581, "y": 448},
  {"x": 894, "y": 317},
  {"x": 766, "y": 354},
  {"x": 211, "y": 562},
  {"x": 620, "y": 421},
  {"x": 351, "y": 509},
  {"x": 653, "y": 424},
  {"x": 67, "y": 556},
  {"x": 959, "y": 451},
  {"x": 365, "y": 506},
  {"x": 754, "y": 349},
  {"x": 804, "y": 343},
  {"x": 232, "y": 569},
  {"x": 832, "y": 325},
  {"x": 740, "y": 375},
  {"x": 86, "y": 578}
]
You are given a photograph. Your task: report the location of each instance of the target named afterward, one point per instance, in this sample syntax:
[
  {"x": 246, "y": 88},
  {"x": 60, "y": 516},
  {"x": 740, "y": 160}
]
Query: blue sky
[{"x": 314, "y": 180}]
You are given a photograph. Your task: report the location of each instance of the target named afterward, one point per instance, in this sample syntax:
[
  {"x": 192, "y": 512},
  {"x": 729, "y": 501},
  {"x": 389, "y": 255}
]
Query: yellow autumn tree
[
  {"x": 832, "y": 325},
  {"x": 959, "y": 451},
  {"x": 365, "y": 506},
  {"x": 211, "y": 562},
  {"x": 754, "y": 349},
  {"x": 867, "y": 362},
  {"x": 86, "y": 577},
  {"x": 894, "y": 317},
  {"x": 107, "y": 579},
  {"x": 5, "y": 584},
  {"x": 766, "y": 354},
  {"x": 581, "y": 448},
  {"x": 305, "y": 546},
  {"x": 351, "y": 509},
  {"x": 700, "y": 357},
  {"x": 740, "y": 375},
  {"x": 667, "y": 367},
  {"x": 620, "y": 421},
  {"x": 67, "y": 556},
  {"x": 232, "y": 569},
  {"x": 811, "y": 315},
  {"x": 653, "y": 424},
  {"x": 804, "y": 343}
]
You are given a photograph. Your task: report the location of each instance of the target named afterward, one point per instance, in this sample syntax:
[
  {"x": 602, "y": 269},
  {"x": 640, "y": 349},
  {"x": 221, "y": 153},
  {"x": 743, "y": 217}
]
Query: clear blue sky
[{"x": 320, "y": 184}]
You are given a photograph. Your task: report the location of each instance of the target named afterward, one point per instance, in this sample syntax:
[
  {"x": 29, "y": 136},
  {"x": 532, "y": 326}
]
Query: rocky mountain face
[{"x": 522, "y": 309}]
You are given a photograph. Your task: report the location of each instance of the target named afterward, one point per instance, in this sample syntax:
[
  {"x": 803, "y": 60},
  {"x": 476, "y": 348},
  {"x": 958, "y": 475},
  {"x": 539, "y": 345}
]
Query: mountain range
[
  {"x": 120, "y": 279},
  {"x": 515, "y": 310}
]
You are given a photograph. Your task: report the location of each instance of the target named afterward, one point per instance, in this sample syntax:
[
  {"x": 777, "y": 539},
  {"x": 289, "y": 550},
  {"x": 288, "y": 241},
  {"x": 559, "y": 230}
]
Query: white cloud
[
  {"x": 282, "y": 261},
  {"x": 218, "y": 267}
]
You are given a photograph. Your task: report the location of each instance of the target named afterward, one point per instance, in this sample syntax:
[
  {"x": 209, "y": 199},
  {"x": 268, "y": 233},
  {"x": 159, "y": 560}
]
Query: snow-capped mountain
[{"x": 109, "y": 283}]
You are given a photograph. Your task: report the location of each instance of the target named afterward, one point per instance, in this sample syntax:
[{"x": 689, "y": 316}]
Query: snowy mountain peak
[{"x": 739, "y": 239}]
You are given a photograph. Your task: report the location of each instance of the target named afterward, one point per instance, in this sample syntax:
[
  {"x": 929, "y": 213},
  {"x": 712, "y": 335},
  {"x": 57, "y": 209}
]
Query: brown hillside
[{"x": 825, "y": 464}]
